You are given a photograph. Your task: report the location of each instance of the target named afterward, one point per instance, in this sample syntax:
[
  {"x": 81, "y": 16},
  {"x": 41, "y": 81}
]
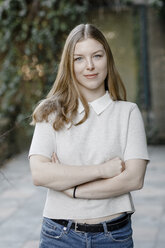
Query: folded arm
[
  {"x": 132, "y": 178},
  {"x": 54, "y": 175}
]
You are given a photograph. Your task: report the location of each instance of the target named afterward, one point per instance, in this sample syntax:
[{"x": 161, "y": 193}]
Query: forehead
[{"x": 88, "y": 46}]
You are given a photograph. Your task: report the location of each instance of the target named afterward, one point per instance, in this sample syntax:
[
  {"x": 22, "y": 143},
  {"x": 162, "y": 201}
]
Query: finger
[
  {"x": 53, "y": 158},
  {"x": 123, "y": 165},
  {"x": 56, "y": 158}
]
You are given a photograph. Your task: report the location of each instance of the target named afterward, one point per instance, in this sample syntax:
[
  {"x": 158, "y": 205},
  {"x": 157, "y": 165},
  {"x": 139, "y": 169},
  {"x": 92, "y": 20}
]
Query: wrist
[{"x": 74, "y": 192}]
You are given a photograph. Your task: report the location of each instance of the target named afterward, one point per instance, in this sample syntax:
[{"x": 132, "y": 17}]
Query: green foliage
[{"x": 32, "y": 33}]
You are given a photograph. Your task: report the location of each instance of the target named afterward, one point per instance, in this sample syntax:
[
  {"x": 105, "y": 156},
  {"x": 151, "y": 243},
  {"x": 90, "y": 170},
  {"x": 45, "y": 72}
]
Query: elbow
[
  {"x": 39, "y": 170},
  {"x": 36, "y": 182},
  {"x": 39, "y": 178},
  {"x": 139, "y": 184},
  {"x": 35, "y": 179},
  {"x": 36, "y": 175},
  {"x": 134, "y": 183}
]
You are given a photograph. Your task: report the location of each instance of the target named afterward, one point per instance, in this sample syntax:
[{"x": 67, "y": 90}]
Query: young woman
[{"x": 88, "y": 148}]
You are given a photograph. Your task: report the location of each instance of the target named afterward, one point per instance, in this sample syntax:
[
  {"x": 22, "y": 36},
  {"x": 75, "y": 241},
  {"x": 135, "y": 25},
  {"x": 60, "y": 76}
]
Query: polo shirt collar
[{"x": 98, "y": 105}]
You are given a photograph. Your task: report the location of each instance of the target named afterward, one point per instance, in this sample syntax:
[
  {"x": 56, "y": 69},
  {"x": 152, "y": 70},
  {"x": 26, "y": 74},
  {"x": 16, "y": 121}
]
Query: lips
[{"x": 91, "y": 75}]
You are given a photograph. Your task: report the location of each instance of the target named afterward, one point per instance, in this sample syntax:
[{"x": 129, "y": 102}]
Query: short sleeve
[
  {"x": 136, "y": 144},
  {"x": 43, "y": 141}
]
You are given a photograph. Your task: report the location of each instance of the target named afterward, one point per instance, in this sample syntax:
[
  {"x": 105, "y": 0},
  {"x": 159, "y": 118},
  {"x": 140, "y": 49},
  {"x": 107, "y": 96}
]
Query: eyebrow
[{"x": 100, "y": 50}]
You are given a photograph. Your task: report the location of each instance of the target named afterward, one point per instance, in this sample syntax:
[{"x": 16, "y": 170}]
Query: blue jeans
[{"x": 55, "y": 235}]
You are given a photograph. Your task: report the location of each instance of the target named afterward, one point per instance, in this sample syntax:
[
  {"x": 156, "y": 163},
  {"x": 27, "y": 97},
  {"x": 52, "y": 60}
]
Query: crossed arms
[{"x": 109, "y": 179}]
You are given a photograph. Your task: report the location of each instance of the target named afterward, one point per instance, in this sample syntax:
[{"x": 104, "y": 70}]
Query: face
[{"x": 90, "y": 67}]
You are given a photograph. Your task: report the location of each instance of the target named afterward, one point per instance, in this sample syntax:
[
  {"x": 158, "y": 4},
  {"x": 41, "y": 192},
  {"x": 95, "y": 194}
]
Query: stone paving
[{"x": 21, "y": 204}]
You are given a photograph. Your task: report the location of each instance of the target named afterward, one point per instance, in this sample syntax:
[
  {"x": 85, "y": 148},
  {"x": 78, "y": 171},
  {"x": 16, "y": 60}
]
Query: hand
[
  {"x": 112, "y": 168},
  {"x": 55, "y": 158}
]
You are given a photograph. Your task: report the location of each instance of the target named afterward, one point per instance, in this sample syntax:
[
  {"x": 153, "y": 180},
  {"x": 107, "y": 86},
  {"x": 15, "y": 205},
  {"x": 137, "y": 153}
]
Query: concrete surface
[{"x": 21, "y": 204}]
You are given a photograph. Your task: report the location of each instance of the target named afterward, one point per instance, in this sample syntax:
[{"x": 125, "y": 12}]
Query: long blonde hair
[{"x": 63, "y": 96}]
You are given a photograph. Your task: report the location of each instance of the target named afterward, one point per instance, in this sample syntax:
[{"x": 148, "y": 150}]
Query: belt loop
[
  {"x": 105, "y": 227},
  {"x": 68, "y": 226}
]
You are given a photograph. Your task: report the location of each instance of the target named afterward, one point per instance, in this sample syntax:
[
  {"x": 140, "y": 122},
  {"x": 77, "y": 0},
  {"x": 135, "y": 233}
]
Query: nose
[{"x": 90, "y": 65}]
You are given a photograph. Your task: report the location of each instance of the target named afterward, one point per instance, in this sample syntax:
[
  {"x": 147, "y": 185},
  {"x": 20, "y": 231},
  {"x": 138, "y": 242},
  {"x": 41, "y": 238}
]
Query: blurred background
[{"x": 32, "y": 35}]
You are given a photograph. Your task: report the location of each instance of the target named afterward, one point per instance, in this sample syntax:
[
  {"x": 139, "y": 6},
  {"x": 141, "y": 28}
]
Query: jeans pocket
[
  {"x": 52, "y": 230},
  {"x": 122, "y": 234}
]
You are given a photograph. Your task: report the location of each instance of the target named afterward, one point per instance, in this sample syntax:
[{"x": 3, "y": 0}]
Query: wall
[
  {"x": 156, "y": 36},
  {"x": 119, "y": 30}
]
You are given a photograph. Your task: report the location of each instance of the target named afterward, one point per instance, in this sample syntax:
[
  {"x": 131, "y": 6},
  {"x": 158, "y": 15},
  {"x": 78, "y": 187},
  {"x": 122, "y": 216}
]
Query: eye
[
  {"x": 97, "y": 56},
  {"x": 78, "y": 59}
]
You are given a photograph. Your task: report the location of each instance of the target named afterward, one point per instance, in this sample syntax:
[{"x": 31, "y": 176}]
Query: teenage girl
[{"x": 88, "y": 148}]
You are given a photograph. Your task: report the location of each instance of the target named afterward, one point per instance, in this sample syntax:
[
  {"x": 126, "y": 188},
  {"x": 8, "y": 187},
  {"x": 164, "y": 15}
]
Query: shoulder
[
  {"x": 47, "y": 122},
  {"x": 124, "y": 110},
  {"x": 125, "y": 106}
]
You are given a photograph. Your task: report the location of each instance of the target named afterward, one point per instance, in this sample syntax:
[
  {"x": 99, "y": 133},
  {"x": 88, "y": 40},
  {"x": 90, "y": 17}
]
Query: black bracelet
[{"x": 74, "y": 192}]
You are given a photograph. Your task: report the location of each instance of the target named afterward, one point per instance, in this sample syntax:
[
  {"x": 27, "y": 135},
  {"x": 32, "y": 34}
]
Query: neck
[{"x": 92, "y": 95}]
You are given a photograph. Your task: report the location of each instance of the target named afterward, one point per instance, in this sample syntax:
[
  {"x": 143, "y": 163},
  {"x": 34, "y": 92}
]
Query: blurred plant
[
  {"x": 32, "y": 33},
  {"x": 160, "y": 6}
]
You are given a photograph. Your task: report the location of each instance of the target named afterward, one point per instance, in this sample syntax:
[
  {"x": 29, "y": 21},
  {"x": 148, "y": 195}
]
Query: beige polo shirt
[{"x": 113, "y": 128}]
